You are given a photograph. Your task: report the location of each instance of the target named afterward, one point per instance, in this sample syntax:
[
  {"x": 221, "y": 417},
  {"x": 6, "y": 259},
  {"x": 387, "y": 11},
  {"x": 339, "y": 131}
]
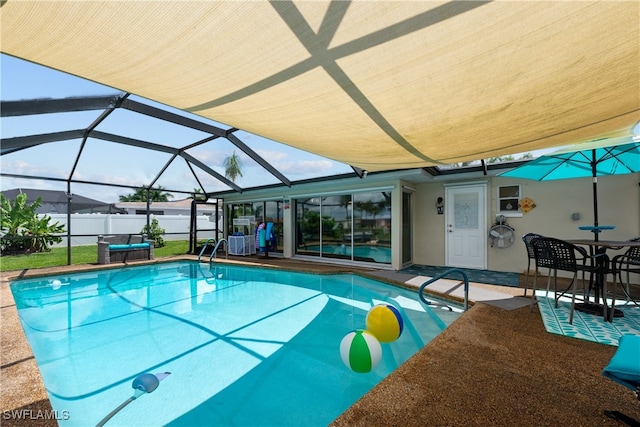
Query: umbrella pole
[{"x": 595, "y": 194}]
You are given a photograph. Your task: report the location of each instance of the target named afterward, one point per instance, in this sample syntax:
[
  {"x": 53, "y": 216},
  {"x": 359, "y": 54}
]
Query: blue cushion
[
  {"x": 624, "y": 366},
  {"x": 131, "y": 246}
]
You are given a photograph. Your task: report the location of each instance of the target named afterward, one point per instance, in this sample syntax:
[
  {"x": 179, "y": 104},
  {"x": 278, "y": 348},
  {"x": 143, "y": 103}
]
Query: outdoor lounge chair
[
  {"x": 624, "y": 368},
  {"x": 124, "y": 247}
]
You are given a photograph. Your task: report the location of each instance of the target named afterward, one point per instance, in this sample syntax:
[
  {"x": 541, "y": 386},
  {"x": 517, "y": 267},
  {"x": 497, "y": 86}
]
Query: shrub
[
  {"x": 154, "y": 232},
  {"x": 22, "y": 230}
]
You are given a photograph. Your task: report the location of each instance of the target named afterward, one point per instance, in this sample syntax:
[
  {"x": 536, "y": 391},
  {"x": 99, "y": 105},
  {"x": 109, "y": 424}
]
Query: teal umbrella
[{"x": 602, "y": 157}]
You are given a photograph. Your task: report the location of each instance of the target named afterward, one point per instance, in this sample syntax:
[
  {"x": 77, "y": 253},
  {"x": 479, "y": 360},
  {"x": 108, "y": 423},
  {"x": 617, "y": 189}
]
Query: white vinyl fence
[{"x": 106, "y": 224}]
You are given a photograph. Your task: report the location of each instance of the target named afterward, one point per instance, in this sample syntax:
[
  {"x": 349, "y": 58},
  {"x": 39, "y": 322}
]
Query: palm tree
[
  {"x": 232, "y": 167},
  {"x": 155, "y": 195},
  {"x": 158, "y": 195},
  {"x": 198, "y": 195}
]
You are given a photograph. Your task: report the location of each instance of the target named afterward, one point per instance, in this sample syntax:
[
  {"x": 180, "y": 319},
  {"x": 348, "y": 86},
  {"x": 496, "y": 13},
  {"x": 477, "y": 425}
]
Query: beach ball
[
  {"x": 385, "y": 322},
  {"x": 360, "y": 351},
  {"x": 56, "y": 284}
]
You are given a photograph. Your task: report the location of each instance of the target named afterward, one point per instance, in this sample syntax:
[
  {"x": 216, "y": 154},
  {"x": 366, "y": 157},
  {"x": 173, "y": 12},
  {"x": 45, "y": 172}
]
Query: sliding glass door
[{"x": 355, "y": 227}]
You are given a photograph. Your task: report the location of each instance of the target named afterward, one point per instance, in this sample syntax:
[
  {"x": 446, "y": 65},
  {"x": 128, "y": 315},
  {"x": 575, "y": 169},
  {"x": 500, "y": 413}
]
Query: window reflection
[
  {"x": 348, "y": 226},
  {"x": 263, "y": 211},
  {"x": 308, "y": 226}
]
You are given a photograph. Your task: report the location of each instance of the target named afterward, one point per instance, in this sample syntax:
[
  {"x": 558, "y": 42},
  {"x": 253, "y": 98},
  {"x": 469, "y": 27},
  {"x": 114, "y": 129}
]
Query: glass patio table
[{"x": 596, "y": 229}]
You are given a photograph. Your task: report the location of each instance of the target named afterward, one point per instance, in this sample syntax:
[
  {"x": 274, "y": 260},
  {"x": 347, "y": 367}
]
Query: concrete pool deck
[{"x": 496, "y": 365}]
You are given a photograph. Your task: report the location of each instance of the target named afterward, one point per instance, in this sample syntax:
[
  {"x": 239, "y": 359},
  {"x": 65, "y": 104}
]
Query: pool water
[{"x": 245, "y": 346}]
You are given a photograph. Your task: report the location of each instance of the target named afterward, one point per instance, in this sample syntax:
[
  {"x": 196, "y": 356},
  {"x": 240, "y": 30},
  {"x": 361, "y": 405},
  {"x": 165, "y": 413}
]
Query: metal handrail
[
  {"x": 440, "y": 276},
  {"x": 226, "y": 252},
  {"x": 205, "y": 247}
]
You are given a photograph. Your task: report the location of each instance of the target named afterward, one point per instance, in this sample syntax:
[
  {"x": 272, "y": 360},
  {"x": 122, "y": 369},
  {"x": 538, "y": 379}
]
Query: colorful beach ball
[
  {"x": 360, "y": 351},
  {"x": 385, "y": 322}
]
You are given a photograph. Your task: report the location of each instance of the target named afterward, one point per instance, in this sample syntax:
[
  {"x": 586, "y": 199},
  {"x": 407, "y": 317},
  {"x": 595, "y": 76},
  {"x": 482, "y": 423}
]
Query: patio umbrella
[{"x": 602, "y": 157}]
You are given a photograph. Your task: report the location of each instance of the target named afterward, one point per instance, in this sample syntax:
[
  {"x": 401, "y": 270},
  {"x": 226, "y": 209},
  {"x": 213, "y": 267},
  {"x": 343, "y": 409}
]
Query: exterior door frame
[
  {"x": 406, "y": 219},
  {"x": 479, "y": 261}
]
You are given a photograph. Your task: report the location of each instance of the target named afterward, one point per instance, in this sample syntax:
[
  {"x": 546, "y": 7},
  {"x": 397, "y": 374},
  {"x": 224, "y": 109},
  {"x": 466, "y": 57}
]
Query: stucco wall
[
  {"x": 618, "y": 196},
  {"x": 618, "y": 204}
]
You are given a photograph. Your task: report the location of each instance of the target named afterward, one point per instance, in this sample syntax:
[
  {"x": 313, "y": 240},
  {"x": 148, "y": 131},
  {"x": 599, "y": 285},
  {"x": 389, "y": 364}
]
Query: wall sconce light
[{"x": 440, "y": 206}]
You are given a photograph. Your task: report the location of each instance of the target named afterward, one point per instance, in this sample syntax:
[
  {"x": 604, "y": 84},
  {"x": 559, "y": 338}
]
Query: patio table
[
  {"x": 596, "y": 229},
  {"x": 595, "y": 247}
]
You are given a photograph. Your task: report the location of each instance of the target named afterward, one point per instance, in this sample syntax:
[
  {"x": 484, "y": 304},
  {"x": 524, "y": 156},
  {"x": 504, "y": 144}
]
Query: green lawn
[{"x": 79, "y": 255}]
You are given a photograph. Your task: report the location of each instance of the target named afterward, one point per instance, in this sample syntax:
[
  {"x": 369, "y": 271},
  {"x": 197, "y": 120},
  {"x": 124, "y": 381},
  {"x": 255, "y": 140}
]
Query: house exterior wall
[
  {"x": 319, "y": 189},
  {"x": 556, "y": 201},
  {"x": 396, "y": 226},
  {"x": 429, "y": 227}
]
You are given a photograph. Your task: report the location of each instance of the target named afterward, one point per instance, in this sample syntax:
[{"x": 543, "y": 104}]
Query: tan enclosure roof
[{"x": 377, "y": 85}]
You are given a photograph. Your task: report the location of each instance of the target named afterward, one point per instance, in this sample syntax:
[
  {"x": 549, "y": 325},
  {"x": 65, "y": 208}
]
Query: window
[
  {"x": 261, "y": 211},
  {"x": 508, "y": 197},
  {"x": 354, "y": 227}
]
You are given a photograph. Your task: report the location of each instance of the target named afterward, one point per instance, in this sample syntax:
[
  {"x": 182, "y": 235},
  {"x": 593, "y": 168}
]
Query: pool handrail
[
  {"x": 440, "y": 276},
  {"x": 215, "y": 249},
  {"x": 205, "y": 246}
]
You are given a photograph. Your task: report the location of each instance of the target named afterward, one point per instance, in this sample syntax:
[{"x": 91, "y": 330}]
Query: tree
[
  {"x": 155, "y": 233},
  {"x": 311, "y": 224},
  {"x": 232, "y": 167},
  {"x": 22, "y": 229},
  {"x": 40, "y": 233},
  {"x": 198, "y": 195},
  {"x": 345, "y": 200},
  {"x": 140, "y": 195}
]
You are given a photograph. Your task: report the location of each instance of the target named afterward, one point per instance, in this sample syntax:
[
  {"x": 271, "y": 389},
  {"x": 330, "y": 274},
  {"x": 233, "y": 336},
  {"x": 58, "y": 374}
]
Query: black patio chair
[
  {"x": 559, "y": 255},
  {"x": 629, "y": 263},
  {"x": 527, "y": 238}
]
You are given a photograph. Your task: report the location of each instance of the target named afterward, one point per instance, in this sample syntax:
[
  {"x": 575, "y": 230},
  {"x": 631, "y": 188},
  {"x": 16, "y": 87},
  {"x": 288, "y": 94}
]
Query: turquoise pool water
[
  {"x": 245, "y": 346},
  {"x": 381, "y": 254}
]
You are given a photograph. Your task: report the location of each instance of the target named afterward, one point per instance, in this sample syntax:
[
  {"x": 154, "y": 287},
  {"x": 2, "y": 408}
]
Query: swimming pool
[{"x": 244, "y": 346}]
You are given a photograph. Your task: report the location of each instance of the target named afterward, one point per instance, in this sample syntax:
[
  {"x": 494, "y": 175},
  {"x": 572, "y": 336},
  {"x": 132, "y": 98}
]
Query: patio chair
[
  {"x": 527, "y": 238},
  {"x": 629, "y": 263},
  {"x": 624, "y": 369},
  {"x": 544, "y": 258},
  {"x": 558, "y": 255}
]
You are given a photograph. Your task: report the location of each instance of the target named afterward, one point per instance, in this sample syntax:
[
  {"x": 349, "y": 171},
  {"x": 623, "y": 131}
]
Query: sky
[{"x": 108, "y": 162}]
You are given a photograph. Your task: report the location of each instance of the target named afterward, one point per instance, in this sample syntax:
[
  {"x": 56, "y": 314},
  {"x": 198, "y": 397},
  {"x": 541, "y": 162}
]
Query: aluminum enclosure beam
[{"x": 48, "y": 106}]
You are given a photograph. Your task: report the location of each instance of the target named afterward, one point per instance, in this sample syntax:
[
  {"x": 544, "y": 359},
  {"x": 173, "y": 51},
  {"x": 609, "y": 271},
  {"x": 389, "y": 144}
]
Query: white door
[{"x": 466, "y": 225}]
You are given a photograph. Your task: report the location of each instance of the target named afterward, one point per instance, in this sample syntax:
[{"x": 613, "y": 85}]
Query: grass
[{"x": 79, "y": 255}]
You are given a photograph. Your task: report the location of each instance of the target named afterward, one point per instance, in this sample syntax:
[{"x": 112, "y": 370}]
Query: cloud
[
  {"x": 299, "y": 167},
  {"x": 272, "y": 156},
  {"x": 20, "y": 167},
  {"x": 305, "y": 168}
]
